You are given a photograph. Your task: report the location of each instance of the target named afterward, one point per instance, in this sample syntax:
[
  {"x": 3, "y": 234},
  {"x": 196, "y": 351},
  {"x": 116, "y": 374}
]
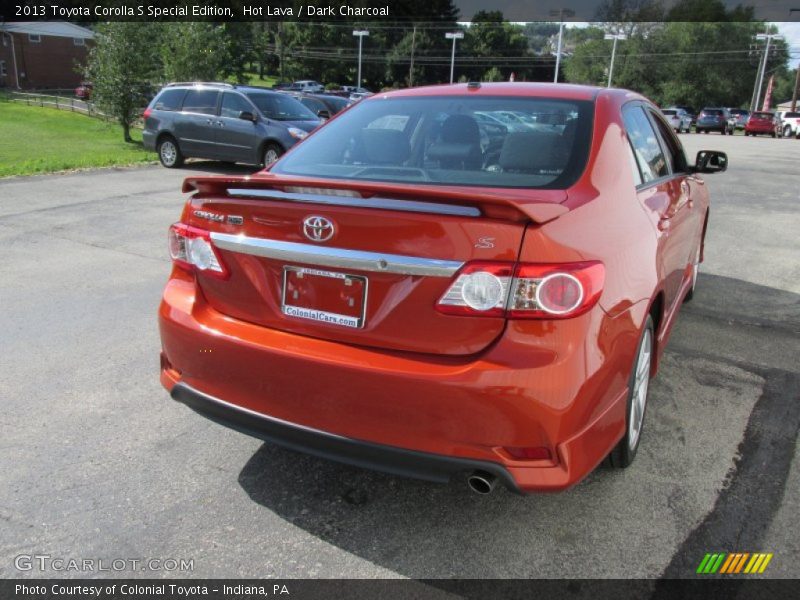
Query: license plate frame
[{"x": 316, "y": 315}]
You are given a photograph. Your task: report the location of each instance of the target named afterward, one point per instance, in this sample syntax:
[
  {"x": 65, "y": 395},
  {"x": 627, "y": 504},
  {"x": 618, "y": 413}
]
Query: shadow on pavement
[{"x": 420, "y": 529}]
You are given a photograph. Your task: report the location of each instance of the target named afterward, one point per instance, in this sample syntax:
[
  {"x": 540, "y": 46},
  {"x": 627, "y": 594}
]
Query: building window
[
  {"x": 78, "y": 41},
  {"x": 3, "y": 72},
  {"x": 34, "y": 38}
]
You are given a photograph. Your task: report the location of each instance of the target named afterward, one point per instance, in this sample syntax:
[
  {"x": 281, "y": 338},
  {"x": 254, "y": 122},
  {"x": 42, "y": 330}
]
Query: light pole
[
  {"x": 768, "y": 37},
  {"x": 797, "y": 77},
  {"x": 456, "y": 35},
  {"x": 560, "y": 13},
  {"x": 359, "y": 33},
  {"x": 615, "y": 37}
]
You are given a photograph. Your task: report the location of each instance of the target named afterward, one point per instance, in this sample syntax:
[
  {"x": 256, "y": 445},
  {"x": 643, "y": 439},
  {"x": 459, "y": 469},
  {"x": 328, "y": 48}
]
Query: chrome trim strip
[
  {"x": 380, "y": 203},
  {"x": 336, "y": 257}
]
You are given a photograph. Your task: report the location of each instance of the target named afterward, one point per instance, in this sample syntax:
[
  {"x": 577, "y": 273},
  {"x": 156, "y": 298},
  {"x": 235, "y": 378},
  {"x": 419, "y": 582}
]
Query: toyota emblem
[{"x": 318, "y": 229}]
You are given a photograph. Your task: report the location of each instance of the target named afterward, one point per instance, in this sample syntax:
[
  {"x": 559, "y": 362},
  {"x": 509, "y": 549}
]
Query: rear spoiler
[{"x": 539, "y": 206}]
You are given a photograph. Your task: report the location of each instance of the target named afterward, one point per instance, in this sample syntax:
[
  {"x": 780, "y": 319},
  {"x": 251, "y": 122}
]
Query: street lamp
[
  {"x": 615, "y": 37},
  {"x": 560, "y": 13},
  {"x": 456, "y": 35},
  {"x": 763, "y": 68},
  {"x": 359, "y": 33},
  {"x": 797, "y": 77}
]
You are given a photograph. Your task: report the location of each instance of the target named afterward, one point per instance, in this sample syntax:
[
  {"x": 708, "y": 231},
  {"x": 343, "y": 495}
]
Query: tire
[
  {"x": 271, "y": 153},
  {"x": 695, "y": 272},
  {"x": 787, "y": 131},
  {"x": 623, "y": 455},
  {"x": 169, "y": 153},
  {"x": 774, "y": 135}
]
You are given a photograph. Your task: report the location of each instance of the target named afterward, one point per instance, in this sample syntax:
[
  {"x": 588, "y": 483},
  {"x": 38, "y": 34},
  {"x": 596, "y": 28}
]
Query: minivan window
[
  {"x": 442, "y": 140},
  {"x": 201, "y": 101},
  {"x": 649, "y": 156},
  {"x": 669, "y": 113},
  {"x": 233, "y": 104},
  {"x": 280, "y": 107},
  {"x": 169, "y": 100}
]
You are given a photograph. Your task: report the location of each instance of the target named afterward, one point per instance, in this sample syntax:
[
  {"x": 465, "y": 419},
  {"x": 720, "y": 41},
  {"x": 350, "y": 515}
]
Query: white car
[
  {"x": 789, "y": 123},
  {"x": 678, "y": 119},
  {"x": 309, "y": 86}
]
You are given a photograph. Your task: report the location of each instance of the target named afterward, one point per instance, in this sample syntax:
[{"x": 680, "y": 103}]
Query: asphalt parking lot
[{"x": 98, "y": 462}]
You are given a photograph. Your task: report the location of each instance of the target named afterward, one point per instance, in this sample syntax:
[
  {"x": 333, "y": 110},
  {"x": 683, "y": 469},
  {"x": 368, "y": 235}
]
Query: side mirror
[
  {"x": 324, "y": 114},
  {"x": 710, "y": 161},
  {"x": 247, "y": 116}
]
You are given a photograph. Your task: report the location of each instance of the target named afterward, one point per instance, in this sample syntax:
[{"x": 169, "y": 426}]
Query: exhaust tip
[{"x": 481, "y": 482}]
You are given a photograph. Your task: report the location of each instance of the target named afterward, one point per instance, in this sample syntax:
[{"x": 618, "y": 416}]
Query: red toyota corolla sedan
[{"x": 428, "y": 287}]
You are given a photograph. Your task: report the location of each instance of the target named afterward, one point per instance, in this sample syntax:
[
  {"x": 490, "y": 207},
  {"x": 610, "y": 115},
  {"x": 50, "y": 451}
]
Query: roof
[
  {"x": 541, "y": 90},
  {"x": 48, "y": 28}
]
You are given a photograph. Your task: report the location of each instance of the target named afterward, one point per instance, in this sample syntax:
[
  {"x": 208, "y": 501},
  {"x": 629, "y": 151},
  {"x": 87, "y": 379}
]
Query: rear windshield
[
  {"x": 791, "y": 115},
  {"x": 479, "y": 141},
  {"x": 738, "y": 111},
  {"x": 169, "y": 99},
  {"x": 761, "y": 115},
  {"x": 712, "y": 112},
  {"x": 669, "y": 113},
  {"x": 281, "y": 107}
]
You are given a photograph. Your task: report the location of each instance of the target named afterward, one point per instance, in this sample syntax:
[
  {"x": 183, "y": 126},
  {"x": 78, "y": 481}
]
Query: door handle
[
  {"x": 221, "y": 123},
  {"x": 209, "y": 121}
]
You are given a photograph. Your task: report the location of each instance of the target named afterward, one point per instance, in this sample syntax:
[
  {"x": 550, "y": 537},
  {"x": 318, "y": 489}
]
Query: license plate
[{"x": 324, "y": 296}]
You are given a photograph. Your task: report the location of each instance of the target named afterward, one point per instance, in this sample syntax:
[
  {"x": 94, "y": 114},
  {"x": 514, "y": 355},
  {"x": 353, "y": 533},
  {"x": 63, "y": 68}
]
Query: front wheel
[
  {"x": 272, "y": 152},
  {"x": 638, "y": 385}
]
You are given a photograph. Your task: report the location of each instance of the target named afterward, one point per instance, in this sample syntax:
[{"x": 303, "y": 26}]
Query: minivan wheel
[
  {"x": 272, "y": 152},
  {"x": 169, "y": 153},
  {"x": 638, "y": 386}
]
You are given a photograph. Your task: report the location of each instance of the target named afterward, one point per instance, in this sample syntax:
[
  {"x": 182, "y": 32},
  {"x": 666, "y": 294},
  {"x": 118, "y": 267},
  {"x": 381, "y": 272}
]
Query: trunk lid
[{"x": 358, "y": 262}]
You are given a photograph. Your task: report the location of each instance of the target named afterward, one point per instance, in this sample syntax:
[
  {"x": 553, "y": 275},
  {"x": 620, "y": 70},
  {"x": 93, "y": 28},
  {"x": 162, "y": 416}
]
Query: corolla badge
[{"x": 318, "y": 229}]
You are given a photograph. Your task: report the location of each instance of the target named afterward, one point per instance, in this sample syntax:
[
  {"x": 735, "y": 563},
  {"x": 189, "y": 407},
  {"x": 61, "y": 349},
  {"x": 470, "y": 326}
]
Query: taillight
[
  {"x": 527, "y": 291},
  {"x": 191, "y": 248},
  {"x": 147, "y": 112}
]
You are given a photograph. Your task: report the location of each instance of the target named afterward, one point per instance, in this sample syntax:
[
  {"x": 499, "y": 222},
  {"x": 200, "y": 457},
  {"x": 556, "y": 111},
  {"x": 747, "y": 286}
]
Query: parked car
[
  {"x": 391, "y": 295},
  {"x": 322, "y": 105},
  {"x": 224, "y": 122},
  {"x": 690, "y": 111},
  {"x": 308, "y": 85},
  {"x": 788, "y": 123},
  {"x": 740, "y": 116},
  {"x": 762, "y": 123},
  {"x": 84, "y": 90},
  {"x": 281, "y": 85},
  {"x": 715, "y": 119},
  {"x": 678, "y": 119}
]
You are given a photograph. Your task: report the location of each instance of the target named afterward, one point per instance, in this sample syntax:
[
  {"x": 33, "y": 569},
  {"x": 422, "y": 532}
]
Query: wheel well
[
  {"x": 164, "y": 135},
  {"x": 657, "y": 312},
  {"x": 267, "y": 143},
  {"x": 703, "y": 238}
]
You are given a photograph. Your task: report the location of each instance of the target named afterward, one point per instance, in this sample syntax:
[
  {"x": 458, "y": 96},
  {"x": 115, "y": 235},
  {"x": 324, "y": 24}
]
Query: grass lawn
[
  {"x": 43, "y": 140},
  {"x": 254, "y": 79}
]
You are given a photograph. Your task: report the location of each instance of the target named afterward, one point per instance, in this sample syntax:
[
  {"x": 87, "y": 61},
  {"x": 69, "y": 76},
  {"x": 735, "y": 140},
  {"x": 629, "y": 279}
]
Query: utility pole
[
  {"x": 411, "y": 68},
  {"x": 615, "y": 37},
  {"x": 456, "y": 35},
  {"x": 360, "y": 34},
  {"x": 797, "y": 77},
  {"x": 560, "y": 13},
  {"x": 760, "y": 81}
]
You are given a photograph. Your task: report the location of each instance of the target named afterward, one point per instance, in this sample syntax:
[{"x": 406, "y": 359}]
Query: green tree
[
  {"x": 492, "y": 38},
  {"x": 195, "y": 51},
  {"x": 122, "y": 63}
]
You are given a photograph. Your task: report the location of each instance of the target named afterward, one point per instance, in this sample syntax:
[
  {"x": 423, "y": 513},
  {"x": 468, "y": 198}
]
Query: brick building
[{"x": 42, "y": 55}]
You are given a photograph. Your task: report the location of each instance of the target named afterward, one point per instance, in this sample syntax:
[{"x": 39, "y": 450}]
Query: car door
[
  {"x": 684, "y": 217},
  {"x": 659, "y": 194},
  {"x": 237, "y": 139},
  {"x": 196, "y": 126}
]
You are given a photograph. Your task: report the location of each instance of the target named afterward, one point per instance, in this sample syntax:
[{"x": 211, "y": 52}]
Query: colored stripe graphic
[{"x": 734, "y": 563}]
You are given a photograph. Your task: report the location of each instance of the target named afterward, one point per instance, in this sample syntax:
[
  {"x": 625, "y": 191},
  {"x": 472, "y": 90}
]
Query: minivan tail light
[
  {"x": 191, "y": 248},
  {"x": 524, "y": 291},
  {"x": 147, "y": 112}
]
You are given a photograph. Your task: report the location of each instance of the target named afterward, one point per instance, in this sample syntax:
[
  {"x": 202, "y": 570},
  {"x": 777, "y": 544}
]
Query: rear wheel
[
  {"x": 787, "y": 131},
  {"x": 169, "y": 153},
  {"x": 622, "y": 456}
]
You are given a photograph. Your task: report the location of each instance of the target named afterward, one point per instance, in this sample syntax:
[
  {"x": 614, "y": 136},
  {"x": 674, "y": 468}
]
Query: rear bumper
[
  {"x": 149, "y": 139},
  {"x": 387, "y": 459},
  {"x": 562, "y": 386}
]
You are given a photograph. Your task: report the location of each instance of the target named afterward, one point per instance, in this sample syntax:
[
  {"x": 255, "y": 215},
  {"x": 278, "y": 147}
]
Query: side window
[
  {"x": 649, "y": 157},
  {"x": 201, "y": 101},
  {"x": 313, "y": 104},
  {"x": 233, "y": 104},
  {"x": 637, "y": 174},
  {"x": 673, "y": 147},
  {"x": 169, "y": 100}
]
